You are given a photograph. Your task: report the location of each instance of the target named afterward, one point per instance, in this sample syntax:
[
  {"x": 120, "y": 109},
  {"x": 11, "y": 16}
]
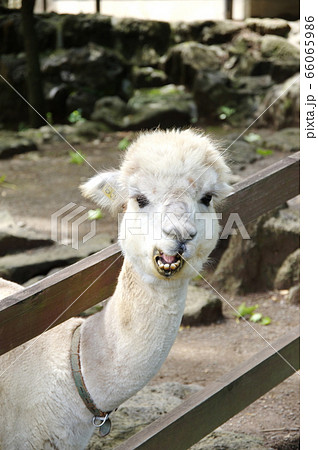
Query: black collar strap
[{"x": 101, "y": 419}]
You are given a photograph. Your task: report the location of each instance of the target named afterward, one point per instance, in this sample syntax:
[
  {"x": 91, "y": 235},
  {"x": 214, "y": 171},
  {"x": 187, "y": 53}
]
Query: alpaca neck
[{"x": 125, "y": 345}]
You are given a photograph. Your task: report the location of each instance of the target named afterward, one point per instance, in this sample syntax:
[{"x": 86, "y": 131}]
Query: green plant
[
  {"x": 5, "y": 184},
  {"x": 95, "y": 214},
  {"x": 225, "y": 112},
  {"x": 76, "y": 157},
  {"x": 76, "y": 116},
  {"x": 264, "y": 151},
  {"x": 123, "y": 144},
  {"x": 248, "y": 313},
  {"x": 49, "y": 118}
]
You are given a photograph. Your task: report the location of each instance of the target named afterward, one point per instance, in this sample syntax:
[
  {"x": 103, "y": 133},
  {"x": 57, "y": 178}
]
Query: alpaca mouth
[{"x": 167, "y": 265}]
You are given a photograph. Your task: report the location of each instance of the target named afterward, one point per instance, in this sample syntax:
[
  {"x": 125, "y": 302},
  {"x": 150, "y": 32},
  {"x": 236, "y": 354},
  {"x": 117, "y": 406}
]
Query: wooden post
[{"x": 229, "y": 9}]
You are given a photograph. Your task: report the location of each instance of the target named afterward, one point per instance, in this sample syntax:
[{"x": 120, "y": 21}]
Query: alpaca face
[{"x": 168, "y": 185}]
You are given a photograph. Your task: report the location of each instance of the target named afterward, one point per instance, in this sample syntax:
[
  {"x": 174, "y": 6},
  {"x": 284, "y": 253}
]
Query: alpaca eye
[
  {"x": 206, "y": 199},
  {"x": 142, "y": 201}
]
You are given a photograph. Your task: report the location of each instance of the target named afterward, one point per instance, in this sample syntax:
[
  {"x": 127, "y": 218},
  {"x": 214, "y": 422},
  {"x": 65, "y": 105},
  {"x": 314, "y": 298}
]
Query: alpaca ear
[
  {"x": 106, "y": 190},
  {"x": 222, "y": 189}
]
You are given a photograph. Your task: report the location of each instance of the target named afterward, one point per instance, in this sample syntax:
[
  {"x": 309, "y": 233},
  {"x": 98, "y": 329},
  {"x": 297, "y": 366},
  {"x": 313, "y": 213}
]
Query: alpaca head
[{"x": 165, "y": 193}]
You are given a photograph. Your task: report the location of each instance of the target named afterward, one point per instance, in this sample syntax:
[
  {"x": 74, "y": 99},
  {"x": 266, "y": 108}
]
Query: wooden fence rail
[
  {"x": 72, "y": 290},
  {"x": 209, "y": 408}
]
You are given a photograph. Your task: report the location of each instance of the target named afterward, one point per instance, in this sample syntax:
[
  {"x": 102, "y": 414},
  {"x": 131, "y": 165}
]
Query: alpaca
[{"x": 175, "y": 176}]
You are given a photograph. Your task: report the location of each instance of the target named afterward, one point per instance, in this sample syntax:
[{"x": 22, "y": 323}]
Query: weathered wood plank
[
  {"x": 58, "y": 297},
  {"x": 206, "y": 410},
  {"x": 29, "y": 313},
  {"x": 264, "y": 191}
]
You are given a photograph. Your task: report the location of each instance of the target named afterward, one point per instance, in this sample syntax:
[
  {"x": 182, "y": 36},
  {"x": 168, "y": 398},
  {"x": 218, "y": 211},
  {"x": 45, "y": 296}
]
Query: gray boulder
[
  {"x": 141, "y": 42},
  {"x": 289, "y": 273},
  {"x": 22, "y": 266},
  {"x": 167, "y": 106},
  {"x": 144, "y": 77},
  {"x": 294, "y": 295},
  {"x": 285, "y": 140},
  {"x": 91, "y": 67},
  {"x": 278, "y": 47},
  {"x": 278, "y": 27},
  {"x": 220, "y": 31},
  {"x": 185, "y": 60},
  {"x": 203, "y": 307},
  {"x": 250, "y": 265},
  {"x": 14, "y": 240},
  {"x": 12, "y": 144},
  {"x": 282, "y": 105}
]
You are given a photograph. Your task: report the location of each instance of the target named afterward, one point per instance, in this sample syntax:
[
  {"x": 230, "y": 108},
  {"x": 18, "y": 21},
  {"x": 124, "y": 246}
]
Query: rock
[
  {"x": 141, "y": 42},
  {"x": 83, "y": 101},
  {"x": 11, "y": 144},
  {"x": 282, "y": 105},
  {"x": 294, "y": 295},
  {"x": 289, "y": 272},
  {"x": 18, "y": 240},
  {"x": 278, "y": 47},
  {"x": 166, "y": 107},
  {"x": 250, "y": 265},
  {"x": 143, "y": 408},
  {"x": 278, "y": 27},
  {"x": 110, "y": 110},
  {"x": 240, "y": 153},
  {"x": 220, "y": 31},
  {"x": 92, "y": 67},
  {"x": 77, "y": 30},
  {"x": 90, "y": 130},
  {"x": 211, "y": 91},
  {"x": 285, "y": 140},
  {"x": 186, "y": 60},
  {"x": 282, "y": 70},
  {"x": 202, "y": 307},
  {"x": 21, "y": 267},
  {"x": 10, "y": 33},
  {"x": 219, "y": 440},
  {"x": 144, "y": 77},
  {"x": 12, "y": 108}
]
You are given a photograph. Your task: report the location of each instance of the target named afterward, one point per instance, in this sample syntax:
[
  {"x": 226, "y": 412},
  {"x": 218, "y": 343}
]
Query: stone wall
[{"x": 134, "y": 74}]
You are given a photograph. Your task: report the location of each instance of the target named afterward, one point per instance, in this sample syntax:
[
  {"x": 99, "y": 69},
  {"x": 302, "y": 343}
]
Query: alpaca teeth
[
  {"x": 166, "y": 266},
  {"x": 173, "y": 266},
  {"x": 160, "y": 264}
]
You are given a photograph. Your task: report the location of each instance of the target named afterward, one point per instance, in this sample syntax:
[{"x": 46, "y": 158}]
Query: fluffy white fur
[{"x": 123, "y": 346}]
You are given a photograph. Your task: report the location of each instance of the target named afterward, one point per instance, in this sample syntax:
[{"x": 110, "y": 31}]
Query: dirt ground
[{"x": 40, "y": 184}]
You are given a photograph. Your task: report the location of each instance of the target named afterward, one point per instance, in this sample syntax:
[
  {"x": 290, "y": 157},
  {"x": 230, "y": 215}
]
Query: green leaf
[
  {"x": 225, "y": 112},
  {"x": 2, "y": 178},
  {"x": 49, "y": 117},
  {"x": 244, "y": 310},
  {"x": 123, "y": 144},
  {"x": 264, "y": 151},
  {"x": 76, "y": 157},
  {"x": 76, "y": 116},
  {"x": 256, "y": 317},
  {"x": 266, "y": 320},
  {"x": 95, "y": 214},
  {"x": 252, "y": 137}
]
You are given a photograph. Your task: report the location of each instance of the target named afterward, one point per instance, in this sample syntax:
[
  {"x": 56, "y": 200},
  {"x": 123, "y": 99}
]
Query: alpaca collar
[{"x": 101, "y": 419}]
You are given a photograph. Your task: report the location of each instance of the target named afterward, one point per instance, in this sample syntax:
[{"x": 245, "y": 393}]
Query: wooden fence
[{"x": 70, "y": 291}]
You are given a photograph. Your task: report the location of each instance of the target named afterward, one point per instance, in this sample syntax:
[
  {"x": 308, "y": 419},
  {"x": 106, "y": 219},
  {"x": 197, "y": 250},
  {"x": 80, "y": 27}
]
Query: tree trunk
[{"x": 33, "y": 76}]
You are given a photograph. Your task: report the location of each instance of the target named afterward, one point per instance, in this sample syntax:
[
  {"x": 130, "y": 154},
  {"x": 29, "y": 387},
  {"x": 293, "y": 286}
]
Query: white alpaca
[{"x": 173, "y": 178}]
